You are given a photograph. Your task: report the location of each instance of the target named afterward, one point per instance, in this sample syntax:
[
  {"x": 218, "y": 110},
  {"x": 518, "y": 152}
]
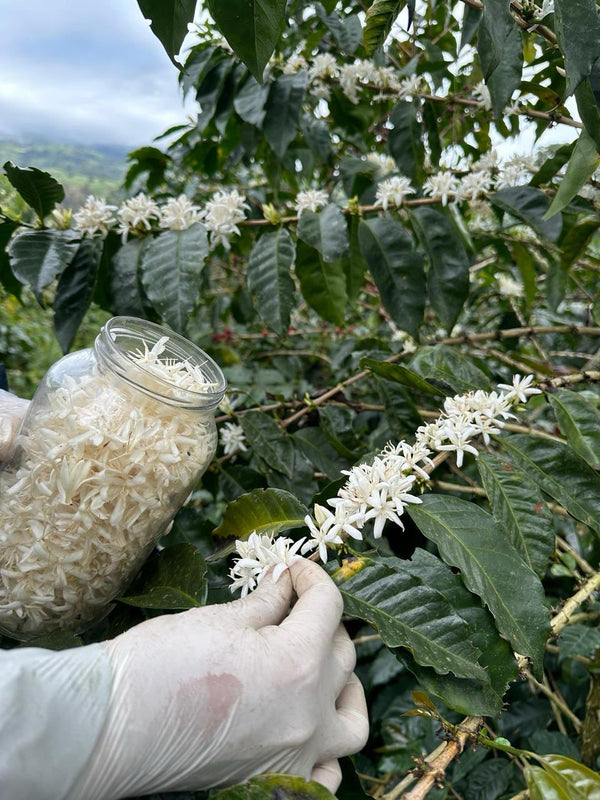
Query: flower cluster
[
  {"x": 311, "y": 200},
  {"x": 102, "y": 469},
  {"x": 380, "y": 491},
  {"x": 233, "y": 439},
  {"x": 140, "y": 214}
]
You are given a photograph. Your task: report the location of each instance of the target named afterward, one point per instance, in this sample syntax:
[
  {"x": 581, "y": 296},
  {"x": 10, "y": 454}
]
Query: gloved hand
[
  {"x": 12, "y": 411},
  {"x": 212, "y": 696}
]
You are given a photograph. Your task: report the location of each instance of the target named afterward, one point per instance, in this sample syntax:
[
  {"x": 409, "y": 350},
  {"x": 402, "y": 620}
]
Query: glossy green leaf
[
  {"x": 172, "y": 579},
  {"x": 574, "y": 244},
  {"x": 579, "y": 421},
  {"x": 125, "y": 284},
  {"x": 399, "y": 408},
  {"x": 470, "y": 26},
  {"x": 323, "y": 283},
  {"x": 577, "y": 27},
  {"x": 400, "y": 374},
  {"x": 315, "y": 445},
  {"x": 379, "y": 19},
  {"x": 169, "y": 20},
  {"x": 275, "y": 787},
  {"x": 171, "y": 268},
  {"x": 466, "y": 696},
  {"x": 39, "y": 189},
  {"x": 252, "y": 28},
  {"x": 7, "y": 279},
  {"x": 326, "y": 231},
  {"x": 559, "y": 472},
  {"x": 269, "y": 278},
  {"x": 410, "y": 614},
  {"x": 268, "y": 511},
  {"x": 500, "y": 49},
  {"x": 283, "y": 108},
  {"x": 269, "y": 443},
  {"x": 396, "y": 269},
  {"x": 553, "y": 164},
  {"x": 573, "y": 780},
  {"x": 529, "y": 205},
  {"x": 354, "y": 265},
  {"x": 448, "y": 277},
  {"x": 545, "y": 786},
  {"x": 468, "y": 538},
  {"x": 578, "y": 640},
  {"x": 450, "y": 368},
  {"x": 587, "y": 107},
  {"x": 405, "y": 143},
  {"x": 38, "y": 257},
  {"x": 249, "y": 102},
  {"x": 582, "y": 164},
  {"x": 346, "y": 30},
  {"x": 75, "y": 290},
  {"x": 519, "y": 508}
]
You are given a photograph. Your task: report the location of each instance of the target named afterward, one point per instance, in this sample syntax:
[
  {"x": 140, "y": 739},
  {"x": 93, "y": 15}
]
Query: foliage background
[{"x": 345, "y": 327}]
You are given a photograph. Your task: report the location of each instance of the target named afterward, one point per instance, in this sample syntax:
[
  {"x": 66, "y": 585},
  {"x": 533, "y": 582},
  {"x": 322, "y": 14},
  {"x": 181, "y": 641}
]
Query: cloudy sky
[{"x": 84, "y": 71}]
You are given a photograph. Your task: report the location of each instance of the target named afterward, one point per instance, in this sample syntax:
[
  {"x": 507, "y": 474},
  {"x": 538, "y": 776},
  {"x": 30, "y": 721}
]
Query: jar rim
[{"x": 120, "y": 360}]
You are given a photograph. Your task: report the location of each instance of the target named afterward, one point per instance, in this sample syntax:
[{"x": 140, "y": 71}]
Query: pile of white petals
[
  {"x": 380, "y": 491},
  {"x": 100, "y": 471}
]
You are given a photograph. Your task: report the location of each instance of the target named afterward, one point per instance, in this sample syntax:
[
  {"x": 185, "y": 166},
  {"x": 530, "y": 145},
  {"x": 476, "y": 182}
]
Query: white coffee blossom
[
  {"x": 441, "y": 186},
  {"x": 94, "y": 216},
  {"x": 410, "y": 86},
  {"x": 137, "y": 214},
  {"x": 481, "y": 93},
  {"x": 380, "y": 491},
  {"x": 179, "y": 213},
  {"x": 311, "y": 200},
  {"x": 294, "y": 64},
  {"x": 507, "y": 286},
  {"x": 473, "y": 185},
  {"x": 511, "y": 175},
  {"x": 232, "y": 438},
  {"x": 222, "y": 214},
  {"x": 393, "y": 191},
  {"x": 547, "y": 8},
  {"x": 323, "y": 65},
  {"x": 382, "y": 162},
  {"x": 488, "y": 161}
]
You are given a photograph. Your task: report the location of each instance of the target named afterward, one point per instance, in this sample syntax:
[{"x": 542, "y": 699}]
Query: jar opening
[{"x": 160, "y": 363}]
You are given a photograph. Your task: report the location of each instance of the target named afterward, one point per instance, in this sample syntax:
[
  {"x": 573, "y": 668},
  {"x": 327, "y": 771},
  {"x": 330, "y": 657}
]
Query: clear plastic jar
[{"x": 113, "y": 442}]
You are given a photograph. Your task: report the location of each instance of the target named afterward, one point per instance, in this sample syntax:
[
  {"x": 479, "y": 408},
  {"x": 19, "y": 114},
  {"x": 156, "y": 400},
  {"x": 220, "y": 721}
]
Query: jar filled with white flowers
[{"x": 113, "y": 442}]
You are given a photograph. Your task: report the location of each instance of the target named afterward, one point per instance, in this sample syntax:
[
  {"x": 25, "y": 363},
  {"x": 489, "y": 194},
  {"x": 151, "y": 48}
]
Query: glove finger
[
  {"x": 347, "y": 730},
  {"x": 344, "y": 654},
  {"x": 267, "y": 605},
  {"x": 328, "y": 775},
  {"x": 316, "y": 615}
]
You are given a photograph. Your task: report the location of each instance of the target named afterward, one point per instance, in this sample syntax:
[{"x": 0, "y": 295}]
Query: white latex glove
[
  {"x": 215, "y": 695},
  {"x": 12, "y": 411}
]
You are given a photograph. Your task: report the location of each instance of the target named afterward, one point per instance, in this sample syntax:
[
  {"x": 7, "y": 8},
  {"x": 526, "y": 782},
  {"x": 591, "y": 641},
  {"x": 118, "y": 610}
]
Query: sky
[{"x": 85, "y": 72}]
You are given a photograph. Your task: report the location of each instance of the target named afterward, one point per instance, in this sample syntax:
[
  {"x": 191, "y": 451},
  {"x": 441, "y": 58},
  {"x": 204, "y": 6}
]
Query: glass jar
[{"x": 113, "y": 442}]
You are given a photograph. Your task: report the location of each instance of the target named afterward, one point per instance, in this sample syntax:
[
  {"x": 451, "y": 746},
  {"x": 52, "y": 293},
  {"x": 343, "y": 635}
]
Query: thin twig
[
  {"x": 579, "y": 560},
  {"x": 572, "y": 604}
]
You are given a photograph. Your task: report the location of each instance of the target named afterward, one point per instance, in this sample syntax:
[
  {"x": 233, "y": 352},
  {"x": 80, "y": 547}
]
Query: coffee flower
[
  {"x": 137, "y": 215},
  {"x": 94, "y": 216},
  {"x": 179, "y": 214},
  {"x": 393, "y": 191},
  {"x": 311, "y": 200},
  {"x": 222, "y": 215}
]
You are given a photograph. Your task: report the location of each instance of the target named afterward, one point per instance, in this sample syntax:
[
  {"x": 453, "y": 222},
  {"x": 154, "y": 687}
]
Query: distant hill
[{"x": 81, "y": 170}]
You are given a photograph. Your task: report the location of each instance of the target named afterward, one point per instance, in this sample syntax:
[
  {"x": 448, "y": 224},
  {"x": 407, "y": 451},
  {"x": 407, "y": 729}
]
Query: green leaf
[
  {"x": 269, "y": 443},
  {"x": 500, "y": 49},
  {"x": 519, "y": 508},
  {"x": 578, "y": 781},
  {"x": 173, "y": 579},
  {"x": 284, "y": 105},
  {"x": 171, "y": 269},
  {"x": 578, "y": 640},
  {"x": 169, "y": 20},
  {"x": 125, "y": 285},
  {"x": 269, "y": 278},
  {"x": 396, "y": 269},
  {"x": 574, "y": 244},
  {"x": 448, "y": 278},
  {"x": 7, "y": 279},
  {"x": 400, "y": 411},
  {"x": 529, "y": 205},
  {"x": 315, "y": 445},
  {"x": 38, "y": 257},
  {"x": 468, "y": 538},
  {"x": 496, "y": 655},
  {"x": 409, "y": 614},
  {"x": 249, "y": 102},
  {"x": 346, "y": 31},
  {"x": 405, "y": 143},
  {"x": 471, "y": 20},
  {"x": 323, "y": 283},
  {"x": 379, "y": 19},
  {"x": 544, "y": 786},
  {"x": 559, "y": 472},
  {"x": 56, "y": 640},
  {"x": 75, "y": 290},
  {"x": 579, "y": 421},
  {"x": 354, "y": 265},
  {"x": 553, "y": 164},
  {"x": 577, "y": 28},
  {"x": 268, "y": 511},
  {"x": 39, "y": 189},
  {"x": 588, "y": 109},
  {"x": 400, "y": 374},
  {"x": 275, "y": 787},
  {"x": 582, "y": 164},
  {"x": 444, "y": 364},
  {"x": 252, "y": 28},
  {"x": 326, "y": 231}
]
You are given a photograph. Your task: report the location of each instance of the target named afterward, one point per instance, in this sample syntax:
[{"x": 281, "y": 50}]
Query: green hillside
[{"x": 81, "y": 170}]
